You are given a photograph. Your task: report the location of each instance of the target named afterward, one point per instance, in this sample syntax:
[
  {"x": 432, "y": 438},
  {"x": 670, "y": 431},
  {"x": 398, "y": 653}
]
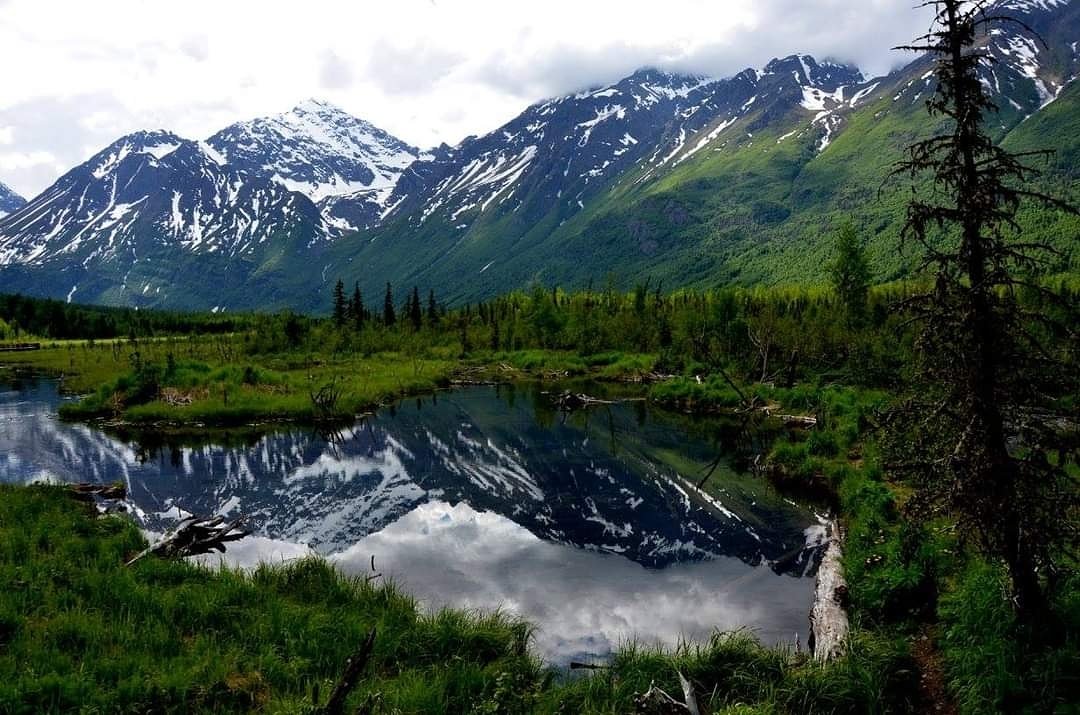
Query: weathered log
[
  {"x": 689, "y": 696},
  {"x": 195, "y": 536},
  {"x": 828, "y": 617},
  {"x": 655, "y": 701},
  {"x": 569, "y": 401},
  {"x": 803, "y": 421},
  {"x": 87, "y": 492},
  {"x": 350, "y": 677}
]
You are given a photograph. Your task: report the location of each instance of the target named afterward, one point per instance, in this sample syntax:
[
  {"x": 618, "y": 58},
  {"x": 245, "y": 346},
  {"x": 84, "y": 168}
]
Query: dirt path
[{"x": 933, "y": 693}]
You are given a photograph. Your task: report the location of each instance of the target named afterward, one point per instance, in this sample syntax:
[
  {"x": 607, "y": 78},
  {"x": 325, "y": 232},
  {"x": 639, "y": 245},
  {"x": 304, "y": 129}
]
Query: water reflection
[{"x": 589, "y": 524}]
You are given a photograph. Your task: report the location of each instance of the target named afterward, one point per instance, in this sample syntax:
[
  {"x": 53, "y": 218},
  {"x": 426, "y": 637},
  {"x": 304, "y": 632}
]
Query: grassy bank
[
  {"x": 212, "y": 380},
  {"x": 79, "y": 631}
]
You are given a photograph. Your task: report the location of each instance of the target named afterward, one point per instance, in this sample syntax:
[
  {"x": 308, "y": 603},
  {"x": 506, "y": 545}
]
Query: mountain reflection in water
[{"x": 589, "y": 525}]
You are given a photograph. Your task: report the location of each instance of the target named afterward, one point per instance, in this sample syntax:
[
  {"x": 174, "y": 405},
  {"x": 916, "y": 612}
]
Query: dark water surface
[{"x": 589, "y": 525}]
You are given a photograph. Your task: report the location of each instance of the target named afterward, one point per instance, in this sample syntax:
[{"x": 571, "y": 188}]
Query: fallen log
[
  {"x": 655, "y": 701},
  {"x": 803, "y": 421},
  {"x": 86, "y": 492},
  {"x": 689, "y": 695},
  {"x": 195, "y": 536},
  {"x": 828, "y": 617},
  {"x": 568, "y": 401}
]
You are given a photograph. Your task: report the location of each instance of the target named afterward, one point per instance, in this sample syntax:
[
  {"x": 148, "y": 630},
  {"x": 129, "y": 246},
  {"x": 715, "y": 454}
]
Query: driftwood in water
[
  {"x": 802, "y": 421},
  {"x": 828, "y": 617},
  {"x": 569, "y": 401},
  {"x": 195, "y": 536},
  {"x": 87, "y": 492},
  {"x": 350, "y": 677},
  {"x": 655, "y": 701}
]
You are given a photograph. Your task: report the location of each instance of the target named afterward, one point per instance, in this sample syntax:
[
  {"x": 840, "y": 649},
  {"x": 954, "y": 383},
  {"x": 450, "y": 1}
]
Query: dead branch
[
  {"x": 87, "y": 492},
  {"x": 350, "y": 677},
  {"x": 570, "y": 401},
  {"x": 689, "y": 696},
  {"x": 195, "y": 536},
  {"x": 655, "y": 701}
]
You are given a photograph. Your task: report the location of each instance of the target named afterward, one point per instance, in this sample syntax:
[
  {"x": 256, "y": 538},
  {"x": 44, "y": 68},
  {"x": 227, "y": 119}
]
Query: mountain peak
[
  {"x": 654, "y": 74},
  {"x": 321, "y": 108},
  {"x": 10, "y": 202},
  {"x": 809, "y": 72},
  {"x": 345, "y": 164}
]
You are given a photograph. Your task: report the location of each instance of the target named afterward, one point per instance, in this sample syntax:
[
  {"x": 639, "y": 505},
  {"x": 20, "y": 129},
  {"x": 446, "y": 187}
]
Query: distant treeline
[
  {"x": 848, "y": 331},
  {"x": 22, "y": 316}
]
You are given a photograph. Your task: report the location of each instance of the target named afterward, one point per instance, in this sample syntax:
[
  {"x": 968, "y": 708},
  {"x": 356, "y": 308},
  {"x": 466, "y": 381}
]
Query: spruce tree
[
  {"x": 389, "y": 315},
  {"x": 976, "y": 435},
  {"x": 432, "y": 309},
  {"x": 339, "y": 303},
  {"x": 416, "y": 315},
  {"x": 850, "y": 274},
  {"x": 358, "y": 310}
]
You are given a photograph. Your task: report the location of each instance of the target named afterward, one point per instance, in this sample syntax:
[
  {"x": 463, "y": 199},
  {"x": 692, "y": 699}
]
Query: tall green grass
[{"x": 80, "y": 632}]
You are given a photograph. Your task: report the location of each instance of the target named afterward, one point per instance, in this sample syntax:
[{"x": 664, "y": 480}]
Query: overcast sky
[{"x": 75, "y": 75}]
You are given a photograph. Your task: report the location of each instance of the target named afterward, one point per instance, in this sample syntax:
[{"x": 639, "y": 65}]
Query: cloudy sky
[{"x": 76, "y": 75}]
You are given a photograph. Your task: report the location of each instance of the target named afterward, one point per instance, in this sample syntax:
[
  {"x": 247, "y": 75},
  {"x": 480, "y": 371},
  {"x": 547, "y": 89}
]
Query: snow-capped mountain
[
  {"x": 10, "y": 202},
  {"x": 683, "y": 178},
  {"x": 155, "y": 218},
  {"x": 346, "y": 165},
  {"x": 558, "y": 152},
  {"x": 553, "y": 156},
  {"x": 147, "y": 210},
  {"x": 468, "y": 209}
]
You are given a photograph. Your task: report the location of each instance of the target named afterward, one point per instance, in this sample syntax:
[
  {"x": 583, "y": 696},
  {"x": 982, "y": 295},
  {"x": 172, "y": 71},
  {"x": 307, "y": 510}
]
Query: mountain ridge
[{"x": 676, "y": 177}]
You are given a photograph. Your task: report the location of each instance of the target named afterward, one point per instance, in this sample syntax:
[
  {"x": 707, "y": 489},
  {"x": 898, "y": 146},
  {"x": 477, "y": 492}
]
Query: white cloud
[{"x": 428, "y": 71}]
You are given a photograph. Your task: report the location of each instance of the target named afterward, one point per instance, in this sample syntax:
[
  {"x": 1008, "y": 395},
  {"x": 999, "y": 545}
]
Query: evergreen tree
[
  {"x": 465, "y": 345},
  {"x": 339, "y": 303},
  {"x": 389, "y": 315},
  {"x": 977, "y": 436},
  {"x": 416, "y": 315},
  {"x": 850, "y": 274},
  {"x": 432, "y": 309},
  {"x": 358, "y": 310}
]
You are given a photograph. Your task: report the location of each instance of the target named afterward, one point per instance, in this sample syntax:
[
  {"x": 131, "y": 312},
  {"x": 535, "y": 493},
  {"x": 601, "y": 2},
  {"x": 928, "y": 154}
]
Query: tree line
[{"x": 26, "y": 317}]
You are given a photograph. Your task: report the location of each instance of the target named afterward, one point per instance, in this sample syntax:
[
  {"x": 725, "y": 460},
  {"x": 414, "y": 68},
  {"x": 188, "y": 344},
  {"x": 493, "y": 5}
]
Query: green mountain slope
[{"x": 759, "y": 200}]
